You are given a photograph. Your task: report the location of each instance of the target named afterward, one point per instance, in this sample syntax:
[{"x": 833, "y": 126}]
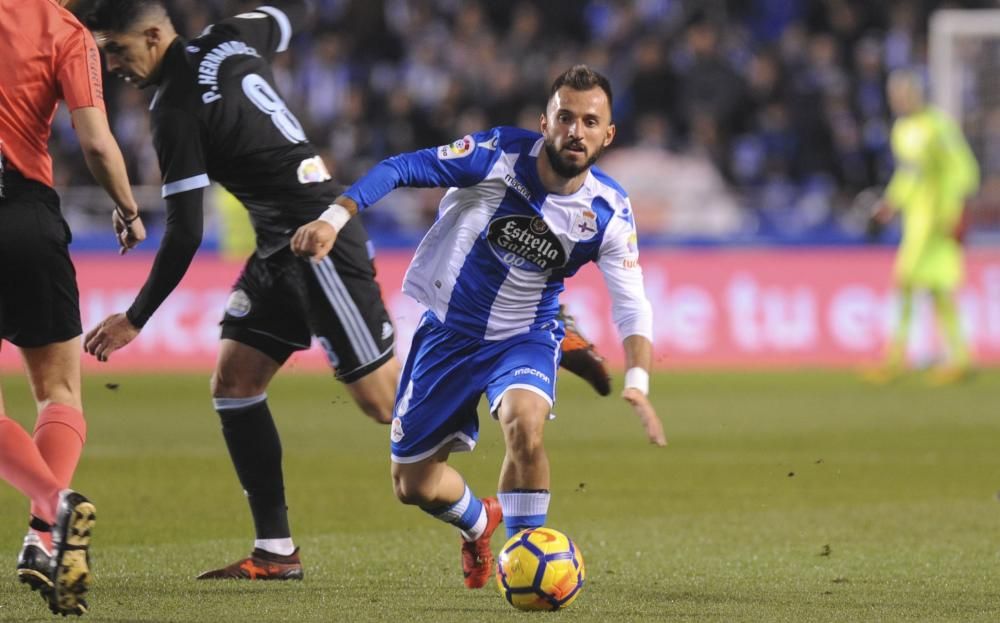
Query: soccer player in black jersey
[{"x": 217, "y": 115}]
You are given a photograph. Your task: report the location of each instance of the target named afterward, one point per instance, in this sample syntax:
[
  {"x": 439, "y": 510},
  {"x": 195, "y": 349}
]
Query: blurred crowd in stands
[{"x": 732, "y": 115}]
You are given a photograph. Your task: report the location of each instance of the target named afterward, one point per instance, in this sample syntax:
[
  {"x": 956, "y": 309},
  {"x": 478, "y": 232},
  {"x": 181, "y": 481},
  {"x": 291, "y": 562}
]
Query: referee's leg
[{"x": 60, "y": 430}]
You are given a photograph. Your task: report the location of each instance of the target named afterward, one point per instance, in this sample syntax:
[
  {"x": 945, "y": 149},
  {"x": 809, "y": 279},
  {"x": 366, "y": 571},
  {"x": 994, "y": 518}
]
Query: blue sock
[
  {"x": 523, "y": 509},
  {"x": 467, "y": 514}
]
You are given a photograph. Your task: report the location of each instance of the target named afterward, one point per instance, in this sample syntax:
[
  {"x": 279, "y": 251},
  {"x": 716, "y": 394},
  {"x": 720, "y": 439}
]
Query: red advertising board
[{"x": 713, "y": 308}]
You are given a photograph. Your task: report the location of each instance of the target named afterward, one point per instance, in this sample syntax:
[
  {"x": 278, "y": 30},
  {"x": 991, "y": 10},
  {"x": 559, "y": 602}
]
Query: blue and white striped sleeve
[{"x": 463, "y": 163}]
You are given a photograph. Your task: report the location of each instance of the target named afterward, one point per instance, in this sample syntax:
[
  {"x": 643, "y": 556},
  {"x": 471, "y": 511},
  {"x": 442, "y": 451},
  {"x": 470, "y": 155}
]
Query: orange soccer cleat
[
  {"x": 259, "y": 565},
  {"x": 477, "y": 557}
]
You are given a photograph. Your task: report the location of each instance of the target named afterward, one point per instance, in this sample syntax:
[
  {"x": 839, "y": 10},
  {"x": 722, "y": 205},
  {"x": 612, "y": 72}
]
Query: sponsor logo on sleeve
[
  {"x": 632, "y": 259},
  {"x": 459, "y": 149},
  {"x": 238, "y": 304},
  {"x": 313, "y": 170}
]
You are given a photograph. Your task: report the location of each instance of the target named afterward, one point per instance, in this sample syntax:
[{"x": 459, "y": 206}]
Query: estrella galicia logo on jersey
[
  {"x": 459, "y": 149},
  {"x": 526, "y": 242}
]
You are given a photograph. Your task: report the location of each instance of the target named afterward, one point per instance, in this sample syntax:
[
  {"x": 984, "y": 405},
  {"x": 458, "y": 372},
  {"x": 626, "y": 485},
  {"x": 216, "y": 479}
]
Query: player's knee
[
  {"x": 230, "y": 386},
  {"x": 378, "y": 410},
  {"x": 411, "y": 491}
]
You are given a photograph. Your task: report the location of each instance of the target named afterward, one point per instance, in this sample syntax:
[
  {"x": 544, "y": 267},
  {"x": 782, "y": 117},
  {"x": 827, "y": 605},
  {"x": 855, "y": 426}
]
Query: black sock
[
  {"x": 38, "y": 525},
  {"x": 255, "y": 449}
]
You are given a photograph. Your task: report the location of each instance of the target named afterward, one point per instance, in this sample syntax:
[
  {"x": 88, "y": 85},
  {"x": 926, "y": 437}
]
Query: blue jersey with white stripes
[{"x": 494, "y": 262}]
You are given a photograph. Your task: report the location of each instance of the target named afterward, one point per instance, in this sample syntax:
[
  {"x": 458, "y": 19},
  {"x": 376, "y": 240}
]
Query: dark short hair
[
  {"x": 115, "y": 15},
  {"x": 582, "y": 78}
]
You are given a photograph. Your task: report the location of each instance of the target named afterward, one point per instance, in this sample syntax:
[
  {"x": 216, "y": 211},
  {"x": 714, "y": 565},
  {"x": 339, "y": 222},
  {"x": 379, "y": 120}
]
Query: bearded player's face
[{"x": 576, "y": 127}]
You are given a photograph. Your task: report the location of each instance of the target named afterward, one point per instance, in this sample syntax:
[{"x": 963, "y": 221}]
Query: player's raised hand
[
  {"x": 113, "y": 333},
  {"x": 647, "y": 415},
  {"x": 129, "y": 230},
  {"x": 314, "y": 240}
]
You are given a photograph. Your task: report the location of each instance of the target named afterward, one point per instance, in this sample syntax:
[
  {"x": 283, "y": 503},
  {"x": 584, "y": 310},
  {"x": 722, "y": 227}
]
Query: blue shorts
[{"x": 445, "y": 374}]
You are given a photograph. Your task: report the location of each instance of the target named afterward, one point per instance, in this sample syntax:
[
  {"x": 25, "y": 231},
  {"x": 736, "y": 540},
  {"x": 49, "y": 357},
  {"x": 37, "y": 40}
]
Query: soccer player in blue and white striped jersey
[{"x": 523, "y": 212}]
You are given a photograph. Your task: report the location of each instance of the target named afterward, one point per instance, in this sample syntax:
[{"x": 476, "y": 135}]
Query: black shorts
[
  {"x": 39, "y": 300},
  {"x": 280, "y": 301}
]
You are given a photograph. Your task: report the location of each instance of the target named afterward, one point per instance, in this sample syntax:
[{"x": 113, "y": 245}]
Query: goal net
[{"x": 965, "y": 82}]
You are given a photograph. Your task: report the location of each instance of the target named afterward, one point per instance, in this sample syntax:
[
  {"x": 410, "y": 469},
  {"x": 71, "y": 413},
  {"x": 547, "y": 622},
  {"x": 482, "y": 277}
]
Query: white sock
[
  {"x": 281, "y": 547},
  {"x": 477, "y": 529}
]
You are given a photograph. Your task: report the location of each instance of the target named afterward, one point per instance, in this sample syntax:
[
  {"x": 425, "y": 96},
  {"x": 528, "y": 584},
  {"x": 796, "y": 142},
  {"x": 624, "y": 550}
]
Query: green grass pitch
[{"x": 799, "y": 497}]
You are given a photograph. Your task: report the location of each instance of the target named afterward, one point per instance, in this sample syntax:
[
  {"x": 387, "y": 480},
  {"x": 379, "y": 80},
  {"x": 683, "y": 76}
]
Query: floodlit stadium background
[{"x": 752, "y": 136}]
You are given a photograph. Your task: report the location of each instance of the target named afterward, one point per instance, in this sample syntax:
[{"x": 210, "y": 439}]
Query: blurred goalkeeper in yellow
[{"x": 935, "y": 172}]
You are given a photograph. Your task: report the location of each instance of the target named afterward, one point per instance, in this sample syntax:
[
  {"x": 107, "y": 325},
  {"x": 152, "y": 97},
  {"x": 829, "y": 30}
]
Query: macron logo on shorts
[{"x": 532, "y": 372}]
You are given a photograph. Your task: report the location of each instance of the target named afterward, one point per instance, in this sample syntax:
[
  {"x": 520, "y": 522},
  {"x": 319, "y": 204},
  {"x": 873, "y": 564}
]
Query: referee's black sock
[{"x": 255, "y": 449}]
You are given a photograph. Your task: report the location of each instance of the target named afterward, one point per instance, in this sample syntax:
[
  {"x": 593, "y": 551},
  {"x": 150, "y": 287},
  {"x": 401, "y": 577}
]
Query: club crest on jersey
[
  {"x": 584, "y": 225},
  {"x": 312, "y": 170},
  {"x": 459, "y": 149},
  {"x": 526, "y": 242}
]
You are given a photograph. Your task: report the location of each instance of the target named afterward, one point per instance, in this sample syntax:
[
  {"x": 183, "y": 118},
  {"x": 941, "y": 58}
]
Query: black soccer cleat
[
  {"x": 70, "y": 565},
  {"x": 33, "y": 564}
]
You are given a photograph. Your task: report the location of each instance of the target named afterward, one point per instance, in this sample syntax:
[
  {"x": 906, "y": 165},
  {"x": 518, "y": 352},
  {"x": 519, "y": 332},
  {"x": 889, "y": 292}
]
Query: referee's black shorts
[
  {"x": 280, "y": 301},
  {"x": 39, "y": 300}
]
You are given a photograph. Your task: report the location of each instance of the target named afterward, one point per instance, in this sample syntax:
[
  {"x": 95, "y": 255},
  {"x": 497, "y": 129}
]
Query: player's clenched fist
[{"x": 314, "y": 240}]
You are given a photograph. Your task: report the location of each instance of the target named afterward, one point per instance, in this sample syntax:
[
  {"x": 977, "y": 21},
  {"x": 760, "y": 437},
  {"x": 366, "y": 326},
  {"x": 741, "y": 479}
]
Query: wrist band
[
  {"x": 637, "y": 378},
  {"x": 336, "y": 215},
  {"x": 125, "y": 219}
]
